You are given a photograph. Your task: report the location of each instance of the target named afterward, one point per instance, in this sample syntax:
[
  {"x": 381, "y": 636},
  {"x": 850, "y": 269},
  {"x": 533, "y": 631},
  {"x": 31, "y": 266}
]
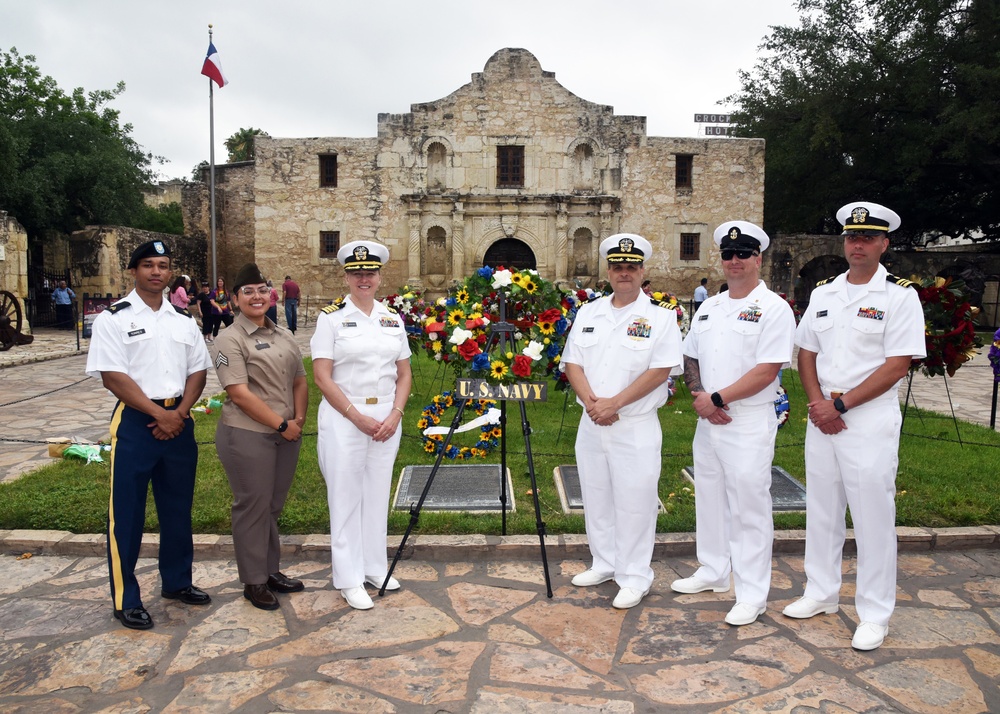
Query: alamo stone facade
[{"x": 511, "y": 168}]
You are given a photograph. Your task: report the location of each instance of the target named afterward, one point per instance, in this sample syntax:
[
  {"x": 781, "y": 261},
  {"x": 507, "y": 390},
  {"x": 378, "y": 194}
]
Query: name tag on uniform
[
  {"x": 702, "y": 317},
  {"x": 136, "y": 333},
  {"x": 821, "y": 313},
  {"x": 588, "y": 329},
  {"x": 348, "y": 324},
  {"x": 262, "y": 345}
]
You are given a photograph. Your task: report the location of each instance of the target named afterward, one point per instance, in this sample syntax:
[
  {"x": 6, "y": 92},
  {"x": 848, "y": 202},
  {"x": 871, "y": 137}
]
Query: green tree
[
  {"x": 162, "y": 219},
  {"x": 241, "y": 144},
  {"x": 894, "y": 101},
  {"x": 198, "y": 171},
  {"x": 66, "y": 161}
]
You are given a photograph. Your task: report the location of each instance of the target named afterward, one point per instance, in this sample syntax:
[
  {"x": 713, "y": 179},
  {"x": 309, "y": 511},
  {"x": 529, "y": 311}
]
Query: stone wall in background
[{"x": 13, "y": 256}]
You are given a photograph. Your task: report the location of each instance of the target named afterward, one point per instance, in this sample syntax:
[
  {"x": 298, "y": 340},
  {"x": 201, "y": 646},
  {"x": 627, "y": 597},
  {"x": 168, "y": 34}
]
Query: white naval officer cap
[
  {"x": 867, "y": 216},
  {"x": 626, "y": 248},
  {"x": 741, "y": 235},
  {"x": 363, "y": 255}
]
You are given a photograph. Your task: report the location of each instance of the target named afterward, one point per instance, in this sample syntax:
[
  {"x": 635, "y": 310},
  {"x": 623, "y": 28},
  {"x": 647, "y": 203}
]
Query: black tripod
[{"x": 502, "y": 337}]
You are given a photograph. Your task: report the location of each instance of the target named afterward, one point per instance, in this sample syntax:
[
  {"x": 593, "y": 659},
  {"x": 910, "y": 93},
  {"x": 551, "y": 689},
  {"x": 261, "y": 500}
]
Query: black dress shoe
[
  {"x": 281, "y": 583},
  {"x": 260, "y": 596},
  {"x": 134, "y": 618},
  {"x": 189, "y": 595}
]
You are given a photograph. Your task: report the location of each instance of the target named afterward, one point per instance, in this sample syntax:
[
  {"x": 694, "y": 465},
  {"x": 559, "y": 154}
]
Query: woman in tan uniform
[{"x": 260, "y": 366}]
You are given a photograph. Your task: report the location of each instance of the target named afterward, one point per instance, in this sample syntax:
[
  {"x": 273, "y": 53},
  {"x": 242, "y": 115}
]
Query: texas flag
[{"x": 213, "y": 67}]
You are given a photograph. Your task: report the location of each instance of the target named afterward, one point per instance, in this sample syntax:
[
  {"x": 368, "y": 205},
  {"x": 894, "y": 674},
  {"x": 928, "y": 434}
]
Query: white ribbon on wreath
[{"x": 492, "y": 416}]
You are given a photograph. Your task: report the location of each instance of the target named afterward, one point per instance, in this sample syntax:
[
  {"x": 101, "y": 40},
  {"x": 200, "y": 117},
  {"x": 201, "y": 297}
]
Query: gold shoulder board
[
  {"x": 334, "y": 307},
  {"x": 826, "y": 280},
  {"x": 901, "y": 282}
]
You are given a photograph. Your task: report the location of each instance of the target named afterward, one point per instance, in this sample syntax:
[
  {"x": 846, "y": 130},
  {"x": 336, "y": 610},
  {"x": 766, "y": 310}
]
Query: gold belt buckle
[
  {"x": 836, "y": 395},
  {"x": 170, "y": 401},
  {"x": 371, "y": 400}
]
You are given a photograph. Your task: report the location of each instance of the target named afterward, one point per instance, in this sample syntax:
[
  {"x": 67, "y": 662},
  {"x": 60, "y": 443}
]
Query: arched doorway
[
  {"x": 817, "y": 269},
  {"x": 510, "y": 253}
]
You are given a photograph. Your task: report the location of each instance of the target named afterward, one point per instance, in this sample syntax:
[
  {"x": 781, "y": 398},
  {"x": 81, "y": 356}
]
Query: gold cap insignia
[
  {"x": 859, "y": 215},
  {"x": 625, "y": 245},
  {"x": 361, "y": 253}
]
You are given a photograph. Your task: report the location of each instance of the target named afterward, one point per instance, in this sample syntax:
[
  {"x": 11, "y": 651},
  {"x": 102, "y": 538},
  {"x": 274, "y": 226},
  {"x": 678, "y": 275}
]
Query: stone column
[
  {"x": 458, "y": 268},
  {"x": 564, "y": 250},
  {"x": 413, "y": 248}
]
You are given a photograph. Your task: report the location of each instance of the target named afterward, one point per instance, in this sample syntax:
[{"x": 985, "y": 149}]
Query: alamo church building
[{"x": 511, "y": 168}]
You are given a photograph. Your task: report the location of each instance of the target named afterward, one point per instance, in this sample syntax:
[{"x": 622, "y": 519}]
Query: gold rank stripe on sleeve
[{"x": 902, "y": 282}]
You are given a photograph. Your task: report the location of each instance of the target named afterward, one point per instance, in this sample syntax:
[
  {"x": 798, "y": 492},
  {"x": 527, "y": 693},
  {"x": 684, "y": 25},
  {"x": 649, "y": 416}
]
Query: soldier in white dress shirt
[
  {"x": 737, "y": 345},
  {"x": 856, "y": 342},
  {"x": 361, "y": 364},
  {"x": 618, "y": 358}
]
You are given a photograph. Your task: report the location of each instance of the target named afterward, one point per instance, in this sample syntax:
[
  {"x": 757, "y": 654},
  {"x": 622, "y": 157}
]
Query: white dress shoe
[
  {"x": 357, "y": 598},
  {"x": 743, "y": 614},
  {"x": 591, "y": 577},
  {"x": 696, "y": 585},
  {"x": 869, "y": 636},
  {"x": 806, "y": 607},
  {"x": 628, "y": 597},
  {"x": 393, "y": 584}
]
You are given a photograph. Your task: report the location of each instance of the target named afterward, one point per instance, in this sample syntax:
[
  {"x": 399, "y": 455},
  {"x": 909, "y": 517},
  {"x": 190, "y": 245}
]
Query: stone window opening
[
  {"x": 583, "y": 167},
  {"x": 328, "y": 171},
  {"x": 437, "y": 157},
  {"x": 690, "y": 246},
  {"x": 510, "y": 167},
  {"x": 685, "y": 167},
  {"x": 329, "y": 244}
]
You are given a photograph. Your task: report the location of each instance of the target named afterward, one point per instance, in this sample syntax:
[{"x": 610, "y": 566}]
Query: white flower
[
  {"x": 485, "y": 320},
  {"x": 518, "y": 336},
  {"x": 441, "y": 301},
  {"x": 501, "y": 279},
  {"x": 397, "y": 301},
  {"x": 459, "y": 336},
  {"x": 533, "y": 350},
  {"x": 432, "y": 335},
  {"x": 438, "y": 356}
]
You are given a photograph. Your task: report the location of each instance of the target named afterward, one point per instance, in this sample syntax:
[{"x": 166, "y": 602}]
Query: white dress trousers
[
  {"x": 619, "y": 471},
  {"x": 855, "y": 468},
  {"x": 358, "y": 475},
  {"x": 732, "y": 485}
]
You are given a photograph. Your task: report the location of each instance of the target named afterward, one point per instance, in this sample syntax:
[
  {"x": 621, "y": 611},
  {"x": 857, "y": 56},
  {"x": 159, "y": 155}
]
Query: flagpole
[{"x": 211, "y": 169}]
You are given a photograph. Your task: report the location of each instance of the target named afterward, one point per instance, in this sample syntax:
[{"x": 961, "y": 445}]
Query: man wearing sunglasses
[
  {"x": 856, "y": 341},
  {"x": 738, "y": 343}
]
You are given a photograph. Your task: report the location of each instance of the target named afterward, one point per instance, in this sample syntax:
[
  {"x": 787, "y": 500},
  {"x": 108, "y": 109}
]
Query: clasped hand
[{"x": 825, "y": 416}]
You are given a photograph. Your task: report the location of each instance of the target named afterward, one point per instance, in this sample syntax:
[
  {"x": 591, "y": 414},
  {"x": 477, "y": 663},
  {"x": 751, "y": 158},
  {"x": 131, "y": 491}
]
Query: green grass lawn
[{"x": 940, "y": 482}]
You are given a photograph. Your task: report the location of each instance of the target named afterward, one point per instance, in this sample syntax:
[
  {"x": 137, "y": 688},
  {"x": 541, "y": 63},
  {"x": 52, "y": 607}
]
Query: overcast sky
[{"x": 329, "y": 67}]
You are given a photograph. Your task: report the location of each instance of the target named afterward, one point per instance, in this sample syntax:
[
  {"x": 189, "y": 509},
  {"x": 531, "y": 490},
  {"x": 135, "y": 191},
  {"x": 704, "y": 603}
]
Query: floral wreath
[
  {"x": 950, "y": 333},
  {"x": 456, "y": 328},
  {"x": 683, "y": 320},
  {"x": 489, "y": 437},
  {"x": 409, "y": 305},
  {"x": 781, "y": 406}
]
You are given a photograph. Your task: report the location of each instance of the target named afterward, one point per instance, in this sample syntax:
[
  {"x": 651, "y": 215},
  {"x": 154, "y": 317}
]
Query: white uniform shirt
[
  {"x": 730, "y": 337},
  {"x": 364, "y": 348},
  {"x": 614, "y": 351},
  {"x": 853, "y": 337},
  {"x": 158, "y": 349}
]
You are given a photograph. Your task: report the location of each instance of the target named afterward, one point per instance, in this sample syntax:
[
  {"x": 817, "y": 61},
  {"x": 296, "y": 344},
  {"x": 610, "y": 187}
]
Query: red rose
[
  {"x": 521, "y": 366},
  {"x": 551, "y": 315},
  {"x": 469, "y": 349}
]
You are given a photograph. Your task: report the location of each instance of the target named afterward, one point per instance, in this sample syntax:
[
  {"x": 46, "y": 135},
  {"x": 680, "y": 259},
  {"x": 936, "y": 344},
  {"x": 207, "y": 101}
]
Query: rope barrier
[{"x": 44, "y": 394}]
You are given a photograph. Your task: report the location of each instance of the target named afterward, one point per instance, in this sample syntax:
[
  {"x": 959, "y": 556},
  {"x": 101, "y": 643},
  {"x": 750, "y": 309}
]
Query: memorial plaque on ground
[
  {"x": 567, "y": 480},
  {"x": 787, "y": 494},
  {"x": 458, "y": 487}
]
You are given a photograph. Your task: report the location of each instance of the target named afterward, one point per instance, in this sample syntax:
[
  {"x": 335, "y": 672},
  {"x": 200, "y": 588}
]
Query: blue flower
[
  {"x": 485, "y": 272},
  {"x": 452, "y": 452},
  {"x": 451, "y": 302},
  {"x": 480, "y": 362},
  {"x": 552, "y": 350},
  {"x": 562, "y": 324}
]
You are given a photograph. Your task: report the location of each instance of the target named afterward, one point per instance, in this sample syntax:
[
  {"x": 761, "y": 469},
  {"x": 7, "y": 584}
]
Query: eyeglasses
[
  {"x": 741, "y": 254},
  {"x": 250, "y": 292}
]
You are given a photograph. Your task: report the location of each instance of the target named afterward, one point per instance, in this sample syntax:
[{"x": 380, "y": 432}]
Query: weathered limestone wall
[
  {"x": 13, "y": 256},
  {"x": 164, "y": 193},
  {"x": 234, "y": 209},
  {"x": 101, "y": 255}
]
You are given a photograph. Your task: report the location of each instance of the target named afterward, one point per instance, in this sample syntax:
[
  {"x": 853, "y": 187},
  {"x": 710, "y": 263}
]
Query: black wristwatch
[
  {"x": 717, "y": 400},
  {"x": 282, "y": 426},
  {"x": 838, "y": 404}
]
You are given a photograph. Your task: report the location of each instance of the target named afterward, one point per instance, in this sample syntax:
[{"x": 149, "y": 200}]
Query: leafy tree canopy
[
  {"x": 65, "y": 159},
  {"x": 893, "y": 101},
  {"x": 162, "y": 219},
  {"x": 240, "y": 145}
]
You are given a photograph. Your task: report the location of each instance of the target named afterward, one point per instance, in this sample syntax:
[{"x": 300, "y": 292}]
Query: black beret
[
  {"x": 153, "y": 248},
  {"x": 249, "y": 275}
]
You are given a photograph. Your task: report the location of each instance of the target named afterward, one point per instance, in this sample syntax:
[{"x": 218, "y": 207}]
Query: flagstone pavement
[{"x": 472, "y": 629}]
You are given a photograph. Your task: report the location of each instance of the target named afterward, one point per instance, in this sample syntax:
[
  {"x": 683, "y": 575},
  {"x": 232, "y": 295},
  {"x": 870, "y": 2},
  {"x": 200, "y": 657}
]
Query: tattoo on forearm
[{"x": 692, "y": 375}]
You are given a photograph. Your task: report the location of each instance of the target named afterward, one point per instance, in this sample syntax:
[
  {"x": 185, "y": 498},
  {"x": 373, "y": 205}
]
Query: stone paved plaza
[{"x": 471, "y": 630}]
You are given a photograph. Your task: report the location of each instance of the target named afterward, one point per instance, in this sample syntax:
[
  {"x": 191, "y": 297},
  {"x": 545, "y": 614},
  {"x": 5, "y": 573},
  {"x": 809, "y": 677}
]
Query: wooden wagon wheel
[{"x": 10, "y": 321}]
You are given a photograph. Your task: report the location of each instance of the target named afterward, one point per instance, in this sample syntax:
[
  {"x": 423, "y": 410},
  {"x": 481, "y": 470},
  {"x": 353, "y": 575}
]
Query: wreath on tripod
[
  {"x": 456, "y": 328},
  {"x": 950, "y": 330}
]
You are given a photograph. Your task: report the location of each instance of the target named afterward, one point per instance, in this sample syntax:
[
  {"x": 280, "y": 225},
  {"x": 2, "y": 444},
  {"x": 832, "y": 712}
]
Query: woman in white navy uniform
[{"x": 361, "y": 364}]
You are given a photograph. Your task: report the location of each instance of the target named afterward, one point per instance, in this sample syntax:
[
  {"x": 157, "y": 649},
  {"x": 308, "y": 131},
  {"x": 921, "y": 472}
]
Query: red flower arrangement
[{"x": 949, "y": 329}]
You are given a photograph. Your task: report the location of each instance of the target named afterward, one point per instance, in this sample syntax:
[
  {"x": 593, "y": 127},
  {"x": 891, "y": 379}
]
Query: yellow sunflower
[
  {"x": 422, "y": 424},
  {"x": 436, "y": 345},
  {"x": 516, "y": 278},
  {"x": 529, "y": 285},
  {"x": 546, "y": 328},
  {"x": 498, "y": 369},
  {"x": 462, "y": 296},
  {"x": 429, "y": 447},
  {"x": 456, "y": 317}
]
